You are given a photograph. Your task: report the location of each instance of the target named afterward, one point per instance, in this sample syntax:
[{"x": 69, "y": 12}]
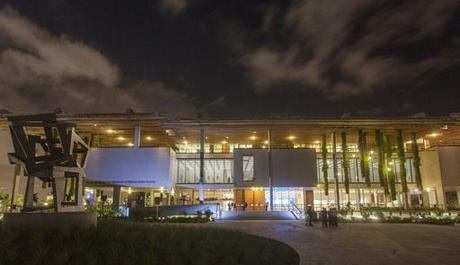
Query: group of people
[{"x": 328, "y": 217}]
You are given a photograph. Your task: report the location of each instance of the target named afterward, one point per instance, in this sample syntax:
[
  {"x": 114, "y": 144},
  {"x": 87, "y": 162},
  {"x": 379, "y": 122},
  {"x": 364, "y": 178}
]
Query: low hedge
[
  {"x": 117, "y": 242},
  {"x": 400, "y": 220}
]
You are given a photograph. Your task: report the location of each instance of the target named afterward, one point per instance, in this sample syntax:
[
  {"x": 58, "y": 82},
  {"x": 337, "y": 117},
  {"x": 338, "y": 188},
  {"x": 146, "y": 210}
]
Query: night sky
[{"x": 238, "y": 58}]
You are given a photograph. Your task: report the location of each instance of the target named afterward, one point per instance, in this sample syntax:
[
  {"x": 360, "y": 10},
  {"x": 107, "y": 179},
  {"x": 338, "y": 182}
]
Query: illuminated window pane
[{"x": 248, "y": 168}]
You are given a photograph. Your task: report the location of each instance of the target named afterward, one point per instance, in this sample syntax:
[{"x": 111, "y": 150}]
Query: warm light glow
[
  {"x": 372, "y": 152},
  {"x": 253, "y": 137},
  {"x": 433, "y": 134},
  {"x": 291, "y": 137},
  {"x": 129, "y": 190},
  {"x": 317, "y": 142},
  {"x": 130, "y": 144},
  {"x": 184, "y": 142},
  {"x": 95, "y": 125},
  {"x": 148, "y": 138},
  {"x": 266, "y": 142},
  {"x": 109, "y": 131},
  {"x": 120, "y": 138},
  {"x": 162, "y": 189},
  {"x": 224, "y": 142},
  {"x": 428, "y": 189}
]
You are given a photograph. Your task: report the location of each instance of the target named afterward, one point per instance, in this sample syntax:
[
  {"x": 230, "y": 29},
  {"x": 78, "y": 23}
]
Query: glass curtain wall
[{"x": 215, "y": 171}]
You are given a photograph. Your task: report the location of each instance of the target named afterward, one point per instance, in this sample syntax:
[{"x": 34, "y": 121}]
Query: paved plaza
[{"x": 361, "y": 243}]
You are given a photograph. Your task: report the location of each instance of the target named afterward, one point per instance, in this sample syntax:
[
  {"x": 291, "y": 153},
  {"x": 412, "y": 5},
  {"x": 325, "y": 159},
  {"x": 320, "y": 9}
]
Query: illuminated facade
[{"x": 268, "y": 164}]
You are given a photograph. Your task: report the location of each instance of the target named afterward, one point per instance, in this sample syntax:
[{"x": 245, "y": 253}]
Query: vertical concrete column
[
  {"x": 29, "y": 195},
  {"x": 201, "y": 183},
  {"x": 334, "y": 169},
  {"x": 137, "y": 136},
  {"x": 270, "y": 171},
  {"x": 116, "y": 197},
  {"x": 18, "y": 174}
]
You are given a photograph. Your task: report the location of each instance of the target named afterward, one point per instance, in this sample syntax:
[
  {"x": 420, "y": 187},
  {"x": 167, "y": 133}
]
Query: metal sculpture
[{"x": 53, "y": 152}]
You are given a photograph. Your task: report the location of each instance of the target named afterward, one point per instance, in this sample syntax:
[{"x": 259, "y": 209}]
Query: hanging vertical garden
[
  {"x": 364, "y": 156},
  {"x": 391, "y": 178},
  {"x": 325, "y": 166},
  {"x": 381, "y": 160},
  {"x": 418, "y": 175},
  {"x": 402, "y": 166},
  {"x": 345, "y": 163}
]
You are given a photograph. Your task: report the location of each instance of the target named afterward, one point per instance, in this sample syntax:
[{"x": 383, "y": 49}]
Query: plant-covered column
[
  {"x": 402, "y": 166},
  {"x": 391, "y": 178},
  {"x": 345, "y": 165},
  {"x": 418, "y": 175},
  {"x": 364, "y": 156},
  {"x": 325, "y": 166},
  {"x": 381, "y": 161}
]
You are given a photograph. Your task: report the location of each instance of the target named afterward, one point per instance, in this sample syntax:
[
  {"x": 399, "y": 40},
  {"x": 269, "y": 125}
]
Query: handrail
[{"x": 296, "y": 210}]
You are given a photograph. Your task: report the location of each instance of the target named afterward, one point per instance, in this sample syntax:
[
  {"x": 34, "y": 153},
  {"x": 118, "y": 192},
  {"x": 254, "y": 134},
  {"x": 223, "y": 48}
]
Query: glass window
[
  {"x": 215, "y": 171},
  {"x": 248, "y": 168}
]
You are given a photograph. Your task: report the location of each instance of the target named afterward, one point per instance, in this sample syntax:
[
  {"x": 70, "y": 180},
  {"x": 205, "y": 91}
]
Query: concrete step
[{"x": 254, "y": 215}]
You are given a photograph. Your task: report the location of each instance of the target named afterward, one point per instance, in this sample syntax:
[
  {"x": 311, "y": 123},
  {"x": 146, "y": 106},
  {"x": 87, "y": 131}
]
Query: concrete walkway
[{"x": 361, "y": 243}]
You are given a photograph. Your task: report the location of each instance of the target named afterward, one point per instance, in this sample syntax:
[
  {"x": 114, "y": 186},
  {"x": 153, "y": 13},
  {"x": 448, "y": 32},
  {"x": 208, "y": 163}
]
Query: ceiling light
[
  {"x": 184, "y": 142},
  {"x": 148, "y": 138},
  {"x": 253, "y": 137},
  {"x": 266, "y": 142},
  {"x": 224, "y": 142},
  {"x": 120, "y": 138},
  {"x": 95, "y": 125},
  {"x": 130, "y": 144},
  {"x": 109, "y": 131},
  {"x": 317, "y": 142},
  {"x": 291, "y": 137},
  {"x": 433, "y": 135}
]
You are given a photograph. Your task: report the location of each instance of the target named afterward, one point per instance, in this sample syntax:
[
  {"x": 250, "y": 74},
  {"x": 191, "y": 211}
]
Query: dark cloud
[
  {"x": 41, "y": 72},
  {"x": 344, "y": 48},
  {"x": 173, "y": 7}
]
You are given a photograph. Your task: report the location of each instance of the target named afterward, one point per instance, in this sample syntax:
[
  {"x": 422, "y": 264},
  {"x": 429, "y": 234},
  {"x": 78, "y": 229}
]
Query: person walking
[
  {"x": 324, "y": 217},
  {"x": 310, "y": 215}
]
